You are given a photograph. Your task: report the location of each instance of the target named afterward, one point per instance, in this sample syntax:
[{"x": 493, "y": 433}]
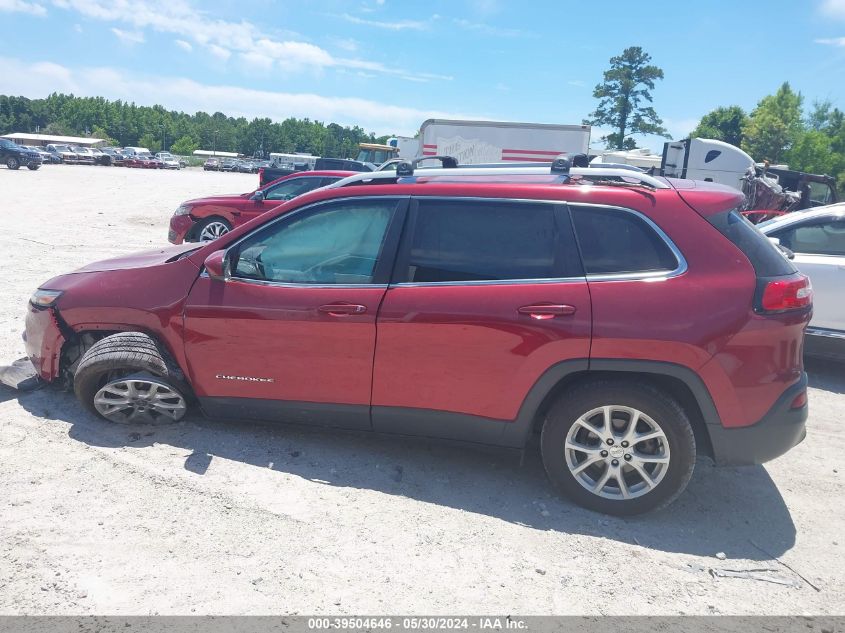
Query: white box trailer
[{"x": 476, "y": 142}]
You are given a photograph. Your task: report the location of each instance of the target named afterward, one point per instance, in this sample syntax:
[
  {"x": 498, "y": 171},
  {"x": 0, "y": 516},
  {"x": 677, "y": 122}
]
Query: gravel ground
[{"x": 205, "y": 517}]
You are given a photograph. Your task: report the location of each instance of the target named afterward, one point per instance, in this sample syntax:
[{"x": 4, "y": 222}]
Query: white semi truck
[{"x": 693, "y": 158}]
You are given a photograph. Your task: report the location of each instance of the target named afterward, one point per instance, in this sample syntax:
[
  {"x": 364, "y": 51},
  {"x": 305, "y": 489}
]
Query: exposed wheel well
[
  {"x": 674, "y": 387},
  {"x": 74, "y": 349}
]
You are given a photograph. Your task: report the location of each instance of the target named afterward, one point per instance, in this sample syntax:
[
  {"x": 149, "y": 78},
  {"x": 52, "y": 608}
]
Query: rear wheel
[
  {"x": 211, "y": 228},
  {"x": 125, "y": 379},
  {"x": 619, "y": 448},
  {"x": 12, "y": 163}
]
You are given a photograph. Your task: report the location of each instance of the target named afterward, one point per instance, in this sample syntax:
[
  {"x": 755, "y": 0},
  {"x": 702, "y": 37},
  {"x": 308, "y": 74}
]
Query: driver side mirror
[
  {"x": 217, "y": 266},
  {"x": 258, "y": 196}
]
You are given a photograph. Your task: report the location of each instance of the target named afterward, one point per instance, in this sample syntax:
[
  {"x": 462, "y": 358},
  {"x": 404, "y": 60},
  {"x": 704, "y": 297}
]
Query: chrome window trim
[
  {"x": 490, "y": 282},
  {"x": 651, "y": 275},
  {"x": 288, "y": 284},
  {"x": 284, "y": 216}
]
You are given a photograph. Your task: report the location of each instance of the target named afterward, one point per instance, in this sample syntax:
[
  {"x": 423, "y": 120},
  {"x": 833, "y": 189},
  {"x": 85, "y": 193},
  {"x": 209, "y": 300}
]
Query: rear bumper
[{"x": 782, "y": 428}]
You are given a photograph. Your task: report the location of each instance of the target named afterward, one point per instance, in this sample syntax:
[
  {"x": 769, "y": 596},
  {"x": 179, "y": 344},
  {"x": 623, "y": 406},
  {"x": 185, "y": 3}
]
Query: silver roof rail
[{"x": 588, "y": 173}]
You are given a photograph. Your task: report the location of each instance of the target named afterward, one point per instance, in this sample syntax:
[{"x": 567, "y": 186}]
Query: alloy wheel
[
  {"x": 212, "y": 231},
  {"x": 139, "y": 400},
  {"x": 617, "y": 452}
]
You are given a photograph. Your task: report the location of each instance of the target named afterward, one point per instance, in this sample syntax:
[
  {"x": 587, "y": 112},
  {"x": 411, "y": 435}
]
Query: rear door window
[
  {"x": 484, "y": 240},
  {"x": 616, "y": 241}
]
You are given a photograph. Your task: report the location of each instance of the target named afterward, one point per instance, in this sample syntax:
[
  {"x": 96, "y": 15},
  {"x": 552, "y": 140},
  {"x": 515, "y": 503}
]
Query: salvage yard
[{"x": 235, "y": 518}]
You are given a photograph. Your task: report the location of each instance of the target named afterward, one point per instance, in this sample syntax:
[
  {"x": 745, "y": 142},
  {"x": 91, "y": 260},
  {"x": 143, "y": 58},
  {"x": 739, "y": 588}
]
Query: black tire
[
  {"x": 200, "y": 226},
  {"x": 118, "y": 355},
  {"x": 662, "y": 409},
  {"x": 33, "y": 167},
  {"x": 12, "y": 163}
]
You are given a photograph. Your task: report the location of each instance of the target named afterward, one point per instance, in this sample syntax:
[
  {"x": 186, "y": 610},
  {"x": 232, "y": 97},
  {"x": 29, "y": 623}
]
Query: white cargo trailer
[{"x": 475, "y": 142}]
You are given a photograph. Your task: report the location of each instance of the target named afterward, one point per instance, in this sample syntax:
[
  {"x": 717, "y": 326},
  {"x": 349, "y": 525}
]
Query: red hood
[
  {"x": 138, "y": 260},
  {"x": 222, "y": 198}
]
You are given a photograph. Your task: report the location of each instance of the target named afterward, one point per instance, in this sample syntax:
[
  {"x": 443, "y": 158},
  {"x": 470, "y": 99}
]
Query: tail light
[
  {"x": 782, "y": 294},
  {"x": 260, "y": 174}
]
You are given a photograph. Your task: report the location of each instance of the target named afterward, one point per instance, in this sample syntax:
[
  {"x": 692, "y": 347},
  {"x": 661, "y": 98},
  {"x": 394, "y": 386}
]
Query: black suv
[{"x": 14, "y": 155}]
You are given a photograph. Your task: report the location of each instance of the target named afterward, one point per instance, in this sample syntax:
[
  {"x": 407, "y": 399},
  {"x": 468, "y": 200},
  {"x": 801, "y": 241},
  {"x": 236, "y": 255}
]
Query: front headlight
[
  {"x": 183, "y": 210},
  {"x": 45, "y": 298}
]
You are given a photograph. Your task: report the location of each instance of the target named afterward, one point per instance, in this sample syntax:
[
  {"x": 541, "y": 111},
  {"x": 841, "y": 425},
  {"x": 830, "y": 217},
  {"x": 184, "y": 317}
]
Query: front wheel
[
  {"x": 211, "y": 228},
  {"x": 33, "y": 166},
  {"x": 12, "y": 163},
  {"x": 125, "y": 379},
  {"x": 618, "y": 447}
]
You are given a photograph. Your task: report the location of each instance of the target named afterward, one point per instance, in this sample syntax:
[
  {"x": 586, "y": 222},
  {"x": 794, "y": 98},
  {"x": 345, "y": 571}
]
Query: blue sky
[{"x": 389, "y": 64}]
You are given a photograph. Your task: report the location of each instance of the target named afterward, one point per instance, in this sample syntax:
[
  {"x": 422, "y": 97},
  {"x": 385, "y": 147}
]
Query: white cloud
[
  {"x": 398, "y": 25},
  {"x": 219, "y": 52},
  {"x": 489, "y": 29},
  {"x": 348, "y": 44},
  {"x": 129, "y": 37},
  {"x": 197, "y": 27},
  {"x": 22, "y": 6},
  {"x": 185, "y": 46},
  {"x": 257, "y": 61},
  {"x": 832, "y": 41},
  {"x": 178, "y": 93},
  {"x": 575, "y": 82},
  {"x": 833, "y": 8}
]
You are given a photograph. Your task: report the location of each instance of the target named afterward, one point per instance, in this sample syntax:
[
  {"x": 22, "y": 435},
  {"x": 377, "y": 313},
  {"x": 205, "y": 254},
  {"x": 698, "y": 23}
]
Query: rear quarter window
[
  {"x": 616, "y": 241},
  {"x": 766, "y": 258}
]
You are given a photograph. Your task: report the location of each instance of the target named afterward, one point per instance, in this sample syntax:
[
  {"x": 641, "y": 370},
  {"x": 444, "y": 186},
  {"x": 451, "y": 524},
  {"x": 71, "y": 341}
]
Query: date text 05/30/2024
[{"x": 482, "y": 623}]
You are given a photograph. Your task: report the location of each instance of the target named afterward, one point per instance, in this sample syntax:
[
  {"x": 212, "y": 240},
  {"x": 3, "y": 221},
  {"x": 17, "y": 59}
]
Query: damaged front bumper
[
  {"x": 43, "y": 340},
  {"x": 21, "y": 375}
]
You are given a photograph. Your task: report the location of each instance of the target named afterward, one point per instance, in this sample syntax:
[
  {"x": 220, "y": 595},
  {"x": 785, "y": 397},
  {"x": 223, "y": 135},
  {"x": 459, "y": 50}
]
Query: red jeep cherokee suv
[
  {"x": 206, "y": 219},
  {"x": 632, "y": 321}
]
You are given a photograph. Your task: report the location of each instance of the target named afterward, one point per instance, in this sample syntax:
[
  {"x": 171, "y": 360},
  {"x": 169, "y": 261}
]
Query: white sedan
[
  {"x": 169, "y": 160},
  {"x": 817, "y": 237}
]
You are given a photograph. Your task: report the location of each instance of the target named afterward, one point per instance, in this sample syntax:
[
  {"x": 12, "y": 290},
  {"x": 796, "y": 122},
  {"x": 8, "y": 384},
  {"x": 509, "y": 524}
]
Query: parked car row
[
  {"x": 242, "y": 165},
  {"x": 55, "y": 153}
]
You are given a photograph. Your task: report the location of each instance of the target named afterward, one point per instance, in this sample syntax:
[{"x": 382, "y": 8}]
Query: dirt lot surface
[{"x": 206, "y": 517}]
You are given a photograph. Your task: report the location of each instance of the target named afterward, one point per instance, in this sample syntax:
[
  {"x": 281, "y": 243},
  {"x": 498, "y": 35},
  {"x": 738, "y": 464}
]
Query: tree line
[{"x": 156, "y": 128}]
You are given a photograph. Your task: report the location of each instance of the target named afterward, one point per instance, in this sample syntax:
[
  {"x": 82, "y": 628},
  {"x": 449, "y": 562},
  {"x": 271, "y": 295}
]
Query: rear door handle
[
  {"x": 342, "y": 309},
  {"x": 542, "y": 311}
]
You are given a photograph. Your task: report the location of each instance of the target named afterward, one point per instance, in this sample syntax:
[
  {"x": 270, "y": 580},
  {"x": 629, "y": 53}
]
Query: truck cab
[
  {"x": 375, "y": 153},
  {"x": 706, "y": 159}
]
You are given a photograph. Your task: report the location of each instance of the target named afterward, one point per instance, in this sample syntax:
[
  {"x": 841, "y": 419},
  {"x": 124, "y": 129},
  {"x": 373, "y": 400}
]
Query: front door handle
[
  {"x": 542, "y": 311},
  {"x": 342, "y": 309}
]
